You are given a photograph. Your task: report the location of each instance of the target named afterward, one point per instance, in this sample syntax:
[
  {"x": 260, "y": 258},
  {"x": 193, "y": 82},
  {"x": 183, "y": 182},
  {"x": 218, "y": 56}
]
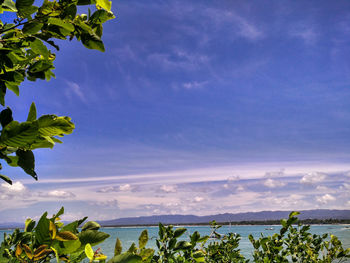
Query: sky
[{"x": 196, "y": 107}]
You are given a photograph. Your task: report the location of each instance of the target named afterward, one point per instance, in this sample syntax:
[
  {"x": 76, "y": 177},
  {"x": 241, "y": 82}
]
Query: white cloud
[
  {"x": 125, "y": 187},
  {"x": 15, "y": 187},
  {"x": 198, "y": 199},
  {"x": 168, "y": 188},
  {"x": 312, "y": 178},
  {"x": 325, "y": 199},
  {"x": 273, "y": 183},
  {"x": 60, "y": 194}
]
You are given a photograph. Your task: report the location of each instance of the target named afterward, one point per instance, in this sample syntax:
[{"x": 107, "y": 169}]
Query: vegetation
[
  {"x": 50, "y": 240},
  {"x": 24, "y": 54}
]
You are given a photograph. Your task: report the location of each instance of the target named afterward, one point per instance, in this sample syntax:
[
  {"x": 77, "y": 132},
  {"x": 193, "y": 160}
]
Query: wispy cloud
[
  {"x": 74, "y": 89},
  {"x": 313, "y": 178},
  {"x": 304, "y": 32}
]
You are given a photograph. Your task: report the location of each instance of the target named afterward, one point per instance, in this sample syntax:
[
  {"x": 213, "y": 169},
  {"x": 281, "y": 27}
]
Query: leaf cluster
[
  {"x": 26, "y": 53},
  {"x": 50, "y": 239}
]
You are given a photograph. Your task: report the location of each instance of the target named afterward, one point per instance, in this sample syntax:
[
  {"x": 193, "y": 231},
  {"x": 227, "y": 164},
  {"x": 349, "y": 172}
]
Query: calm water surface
[{"x": 128, "y": 235}]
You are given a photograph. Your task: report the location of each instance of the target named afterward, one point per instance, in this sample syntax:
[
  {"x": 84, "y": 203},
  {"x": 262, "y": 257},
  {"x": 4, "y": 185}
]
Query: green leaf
[
  {"x": 2, "y": 93},
  {"x": 126, "y": 258},
  {"x": 92, "y": 41},
  {"x": 10, "y": 5},
  {"x": 26, "y": 161},
  {"x": 89, "y": 252},
  {"x": 118, "y": 247},
  {"x": 66, "y": 236},
  {"x": 24, "y": 7},
  {"x": 100, "y": 16},
  {"x": 294, "y": 213},
  {"x": 6, "y": 179},
  {"x": 179, "y": 232},
  {"x": 61, "y": 23},
  {"x": 42, "y": 233},
  {"x": 39, "y": 48},
  {"x": 92, "y": 236},
  {"x": 13, "y": 87},
  {"x": 51, "y": 125},
  {"x": 183, "y": 245},
  {"x": 146, "y": 253},
  {"x": 32, "y": 28},
  {"x": 70, "y": 246},
  {"x": 29, "y": 225},
  {"x": 5, "y": 117},
  {"x": 132, "y": 248},
  {"x": 12, "y": 160},
  {"x": 104, "y": 4},
  {"x": 91, "y": 225},
  {"x": 143, "y": 239},
  {"x": 32, "y": 112}
]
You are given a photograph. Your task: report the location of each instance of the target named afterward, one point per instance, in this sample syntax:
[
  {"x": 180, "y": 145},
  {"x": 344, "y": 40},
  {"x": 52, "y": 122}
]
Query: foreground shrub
[{"x": 51, "y": 241}]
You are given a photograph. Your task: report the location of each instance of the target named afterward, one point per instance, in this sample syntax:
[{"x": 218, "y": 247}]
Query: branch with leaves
[{"x": 26, "y": 53}]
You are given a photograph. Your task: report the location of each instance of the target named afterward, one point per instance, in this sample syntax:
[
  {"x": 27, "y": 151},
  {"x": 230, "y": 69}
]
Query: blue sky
[{"x": 196, "y": 107}]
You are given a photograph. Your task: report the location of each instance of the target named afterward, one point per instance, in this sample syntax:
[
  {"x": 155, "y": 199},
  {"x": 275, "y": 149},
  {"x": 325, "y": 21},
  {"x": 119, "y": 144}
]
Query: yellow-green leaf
[
  {"x": 66, "y": 236},
  {"x": 105, "y": 4},
  {"x": 89, "y": 251}
]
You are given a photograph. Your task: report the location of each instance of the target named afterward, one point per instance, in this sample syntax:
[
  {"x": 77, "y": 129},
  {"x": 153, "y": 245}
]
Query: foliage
[
  {"x": 292, "y": 244},
  {"x": 297, "y": 244},
  {"x": 24, "y": 54},
  {"x": 50, "y": 239}
]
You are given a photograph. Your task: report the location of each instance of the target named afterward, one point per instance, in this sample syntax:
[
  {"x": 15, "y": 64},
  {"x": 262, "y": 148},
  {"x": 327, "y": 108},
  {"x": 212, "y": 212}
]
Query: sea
[{"x": 128, "y": 235}]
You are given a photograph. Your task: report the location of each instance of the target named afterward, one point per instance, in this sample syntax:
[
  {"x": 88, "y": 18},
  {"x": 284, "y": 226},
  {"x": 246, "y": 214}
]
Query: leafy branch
[{"x": 24, "y": 55}]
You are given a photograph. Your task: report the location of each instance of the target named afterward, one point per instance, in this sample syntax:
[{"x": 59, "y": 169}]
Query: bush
[{"x": 50, "y": 239}]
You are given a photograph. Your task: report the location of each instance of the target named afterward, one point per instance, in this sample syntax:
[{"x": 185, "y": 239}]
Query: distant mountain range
[{"x": 227, "y": 217}]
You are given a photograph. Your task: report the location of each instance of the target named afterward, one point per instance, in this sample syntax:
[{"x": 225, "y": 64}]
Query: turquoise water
[{"x": 128, "y": 235}]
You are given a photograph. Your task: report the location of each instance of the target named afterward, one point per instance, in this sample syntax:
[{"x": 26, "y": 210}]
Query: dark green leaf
[
  {"x": 32, "y": 112},
  {"x": 126, "y": 258},
  {"x": 92, "y": 41},
  {"x": 32, "y": 28},
  {"x": 26, "y": 161},
  {"x": 42, "y": 233},
  {"x": 92, "y": 236},
  {"x": 179, "y": 232},
  {"x": 5, "y": 117},
  {"x": 5, "y": 178}
]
